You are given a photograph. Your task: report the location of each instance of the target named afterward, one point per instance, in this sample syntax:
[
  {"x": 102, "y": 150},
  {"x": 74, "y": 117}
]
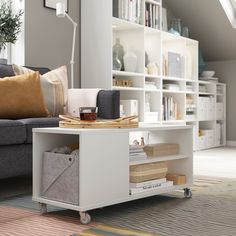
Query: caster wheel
[
  {"x": 43, "y": 208},
  {"x": 85, "y": 218},
  {"x": 187, "y": 193}
]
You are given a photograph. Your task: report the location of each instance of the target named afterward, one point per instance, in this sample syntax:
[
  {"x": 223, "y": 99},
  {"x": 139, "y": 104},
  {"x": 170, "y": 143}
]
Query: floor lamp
[{"x": 61, "y": 12}]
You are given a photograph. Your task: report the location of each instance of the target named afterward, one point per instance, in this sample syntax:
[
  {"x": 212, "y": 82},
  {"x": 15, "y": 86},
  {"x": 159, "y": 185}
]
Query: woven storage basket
[
  {"x": 161, "y": 149},
  {"x": 145, "y": 172},
  {"x": 60, "y": 177}
]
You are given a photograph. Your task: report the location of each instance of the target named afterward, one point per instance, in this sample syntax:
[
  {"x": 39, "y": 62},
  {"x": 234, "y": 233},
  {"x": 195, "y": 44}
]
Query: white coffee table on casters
[{"x": 103, "y": 166}]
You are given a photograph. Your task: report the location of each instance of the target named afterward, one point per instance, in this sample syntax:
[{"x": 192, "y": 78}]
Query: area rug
[
  {"x": 21, "y": 222},
  {"x": 211, "y": 211},
  {"x": 107, "y": 230}
]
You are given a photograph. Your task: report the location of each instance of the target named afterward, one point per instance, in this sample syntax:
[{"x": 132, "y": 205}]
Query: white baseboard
[{"x": 231, "y": 143}]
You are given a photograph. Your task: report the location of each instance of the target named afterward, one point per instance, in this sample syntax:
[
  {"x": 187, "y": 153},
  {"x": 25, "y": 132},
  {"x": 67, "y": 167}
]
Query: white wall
[
  {"x": 48, "y": 39},
  {"x": 226, "y": 71}
]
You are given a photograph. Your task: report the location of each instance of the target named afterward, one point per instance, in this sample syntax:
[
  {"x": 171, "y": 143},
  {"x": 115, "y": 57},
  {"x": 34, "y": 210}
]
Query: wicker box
[
  {"x": 60, "y": 177},
  {"x": 146, "y": 172},
  {"x": 161, "y": 149},
  {"x": 178, "y": 179}
]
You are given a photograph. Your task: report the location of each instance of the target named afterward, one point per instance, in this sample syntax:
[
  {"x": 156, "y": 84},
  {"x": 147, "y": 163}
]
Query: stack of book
[
  {"x": 129, "y": 10},
  {"x": 170, "y": 109},
  {"x": 149, "y": 185},
  {"x": 136, "y": 152},
  {"x": 152, "y": 15}
]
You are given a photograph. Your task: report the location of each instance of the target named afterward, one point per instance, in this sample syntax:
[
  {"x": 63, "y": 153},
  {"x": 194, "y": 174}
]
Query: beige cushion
[
  {"x": 54, "y": 86},
  {"x": 21, "y": 97}
]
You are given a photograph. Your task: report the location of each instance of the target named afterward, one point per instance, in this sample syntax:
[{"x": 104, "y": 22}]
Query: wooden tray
[{"x": 73, "y": 122}]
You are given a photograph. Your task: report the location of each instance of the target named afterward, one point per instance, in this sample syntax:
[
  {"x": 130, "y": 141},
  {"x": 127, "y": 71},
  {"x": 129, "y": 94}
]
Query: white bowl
[{"x": 208, "y": 73}]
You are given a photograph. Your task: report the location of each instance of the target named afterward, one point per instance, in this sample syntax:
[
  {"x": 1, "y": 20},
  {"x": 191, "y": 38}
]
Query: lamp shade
[{"x": 60, "y": 9}]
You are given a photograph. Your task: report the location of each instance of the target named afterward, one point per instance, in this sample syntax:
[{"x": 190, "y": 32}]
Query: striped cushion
[{"x": 54, "y": 86}]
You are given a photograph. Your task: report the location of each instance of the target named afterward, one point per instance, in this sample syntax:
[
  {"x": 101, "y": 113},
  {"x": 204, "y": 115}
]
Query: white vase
[{"x": 130, "y": 61}]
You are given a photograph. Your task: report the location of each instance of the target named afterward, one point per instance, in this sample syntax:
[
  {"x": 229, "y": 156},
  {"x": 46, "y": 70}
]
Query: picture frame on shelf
[{"x": 51, "y": 4}]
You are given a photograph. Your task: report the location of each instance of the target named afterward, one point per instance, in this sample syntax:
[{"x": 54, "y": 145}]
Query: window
[
  {"x": 15, "y": 53},
  {"x": 229, "y": 7},
  {"x": 7, "y": 52}
]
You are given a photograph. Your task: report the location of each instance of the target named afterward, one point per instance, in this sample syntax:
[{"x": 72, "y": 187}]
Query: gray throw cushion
[
  {"x": 41, "y": 70},
  {"x": 6, "y": 71},
  {"x": 108, "y": 103},
  {"x": 12, "y": 132},
  {"x": 38, "y": 123}
]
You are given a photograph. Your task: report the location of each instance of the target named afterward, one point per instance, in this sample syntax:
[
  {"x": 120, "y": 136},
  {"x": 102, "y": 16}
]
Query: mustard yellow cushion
[
  {"x": 54, "y": 85},
  {"x": 21, "y": 97}
]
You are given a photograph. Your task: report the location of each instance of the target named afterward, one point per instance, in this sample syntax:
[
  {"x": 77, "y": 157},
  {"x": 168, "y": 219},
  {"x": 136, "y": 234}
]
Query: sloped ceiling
[{"x": 209, "y": 25}]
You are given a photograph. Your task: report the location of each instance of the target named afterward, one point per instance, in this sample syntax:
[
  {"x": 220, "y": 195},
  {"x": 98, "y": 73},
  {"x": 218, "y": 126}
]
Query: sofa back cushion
[
  {"x": 21, "y": 97},
  {"x": 6, "y": 71}
]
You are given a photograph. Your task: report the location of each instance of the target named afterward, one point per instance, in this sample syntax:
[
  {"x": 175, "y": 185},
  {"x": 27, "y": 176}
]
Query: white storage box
[
  {"x": 60, "y": 178},
  {"x": 218, "y": 134},
  {"x": 202, "y": 142},
  {"x": 130, "y": 107},
  {"x": 219, "y": 111}
]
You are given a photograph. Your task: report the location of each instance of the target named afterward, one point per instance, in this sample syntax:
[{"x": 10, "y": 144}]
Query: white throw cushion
[
  {"x": 81, "y": 98},
  {"x": 54, "y": 85}
]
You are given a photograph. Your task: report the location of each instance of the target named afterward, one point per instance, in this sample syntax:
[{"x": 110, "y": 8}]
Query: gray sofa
[
  {"x": 16, "y": 135},
  {"x": 16, "y": 138}
]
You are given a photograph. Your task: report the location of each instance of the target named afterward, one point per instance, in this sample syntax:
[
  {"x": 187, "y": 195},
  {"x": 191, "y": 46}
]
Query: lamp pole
[
  {"x": 72, "y": 61},
  {"x": 60, "y": 11}
]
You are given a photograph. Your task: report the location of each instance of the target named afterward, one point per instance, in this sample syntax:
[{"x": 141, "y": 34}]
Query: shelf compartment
[
  {"x": 205, "y": 93},
  {"x": 135, "y": 95},
  {"x": 151, "y": 83},
  {"x": 173, "y": 121},
  {"x": 173, "y": 91},
  {"x": 157, "y": 191},
  {"x": 126, "y": 73},
  {"x": 158, "y": 159},
  {"x": 152, "y": 103},
  {"x": 122, "y": 81},
  {"x": 126, "y": 88},
  {"x": 132, "y": 40},
  {"x": 172, "y": 78},
  {"x": 152, "y": 50},
  {"x": 120, "y": 24},
  {"x": 153, "y": 2},
  {"x": 173, "y": 108}
]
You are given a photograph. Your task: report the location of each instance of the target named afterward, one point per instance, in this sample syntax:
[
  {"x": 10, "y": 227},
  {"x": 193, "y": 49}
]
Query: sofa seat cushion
[
  {"x": 32, "y": 123},
  {"x": 12, "y": 132}
]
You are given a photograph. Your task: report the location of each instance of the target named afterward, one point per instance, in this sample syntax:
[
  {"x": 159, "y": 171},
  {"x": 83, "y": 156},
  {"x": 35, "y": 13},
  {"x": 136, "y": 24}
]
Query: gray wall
[
  {"x": 226, "y": 71},
  {"x": 48, "y": 39}
]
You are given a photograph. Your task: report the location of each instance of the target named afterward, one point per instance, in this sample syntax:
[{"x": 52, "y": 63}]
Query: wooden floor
[{"x": 217, "y": 162}]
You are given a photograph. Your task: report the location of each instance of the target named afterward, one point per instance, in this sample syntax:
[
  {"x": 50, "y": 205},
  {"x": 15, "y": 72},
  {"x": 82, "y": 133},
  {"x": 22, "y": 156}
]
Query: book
[
  {"x": 150, "y": 187},
  {"x": 146, "y": 183},
  {"x": 170, "y": 108}
]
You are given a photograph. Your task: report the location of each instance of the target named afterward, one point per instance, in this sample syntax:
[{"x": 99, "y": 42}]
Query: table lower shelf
[{"x": 117, "y": 201}]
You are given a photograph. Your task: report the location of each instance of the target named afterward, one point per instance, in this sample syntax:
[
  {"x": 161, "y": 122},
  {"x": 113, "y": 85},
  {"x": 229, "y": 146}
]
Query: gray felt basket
[{"x": 60, "y": 177}]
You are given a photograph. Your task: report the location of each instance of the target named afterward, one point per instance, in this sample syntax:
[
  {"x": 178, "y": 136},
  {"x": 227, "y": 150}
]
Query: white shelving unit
[
  {"x": 103, "y": 176},
  {"x": 99, "y": 30},
  {"x": 211, "y": 115}
]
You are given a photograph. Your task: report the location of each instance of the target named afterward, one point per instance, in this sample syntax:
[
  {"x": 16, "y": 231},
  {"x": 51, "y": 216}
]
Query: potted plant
[{"x": 10, "y": 26}]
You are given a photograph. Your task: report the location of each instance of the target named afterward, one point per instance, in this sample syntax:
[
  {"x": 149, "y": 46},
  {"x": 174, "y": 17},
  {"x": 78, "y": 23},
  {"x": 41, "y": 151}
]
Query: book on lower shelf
[
  {"x": 136, "y": 153},
  {"x": 147, "y": 183},
  {"x": 151, "y": 187}
]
